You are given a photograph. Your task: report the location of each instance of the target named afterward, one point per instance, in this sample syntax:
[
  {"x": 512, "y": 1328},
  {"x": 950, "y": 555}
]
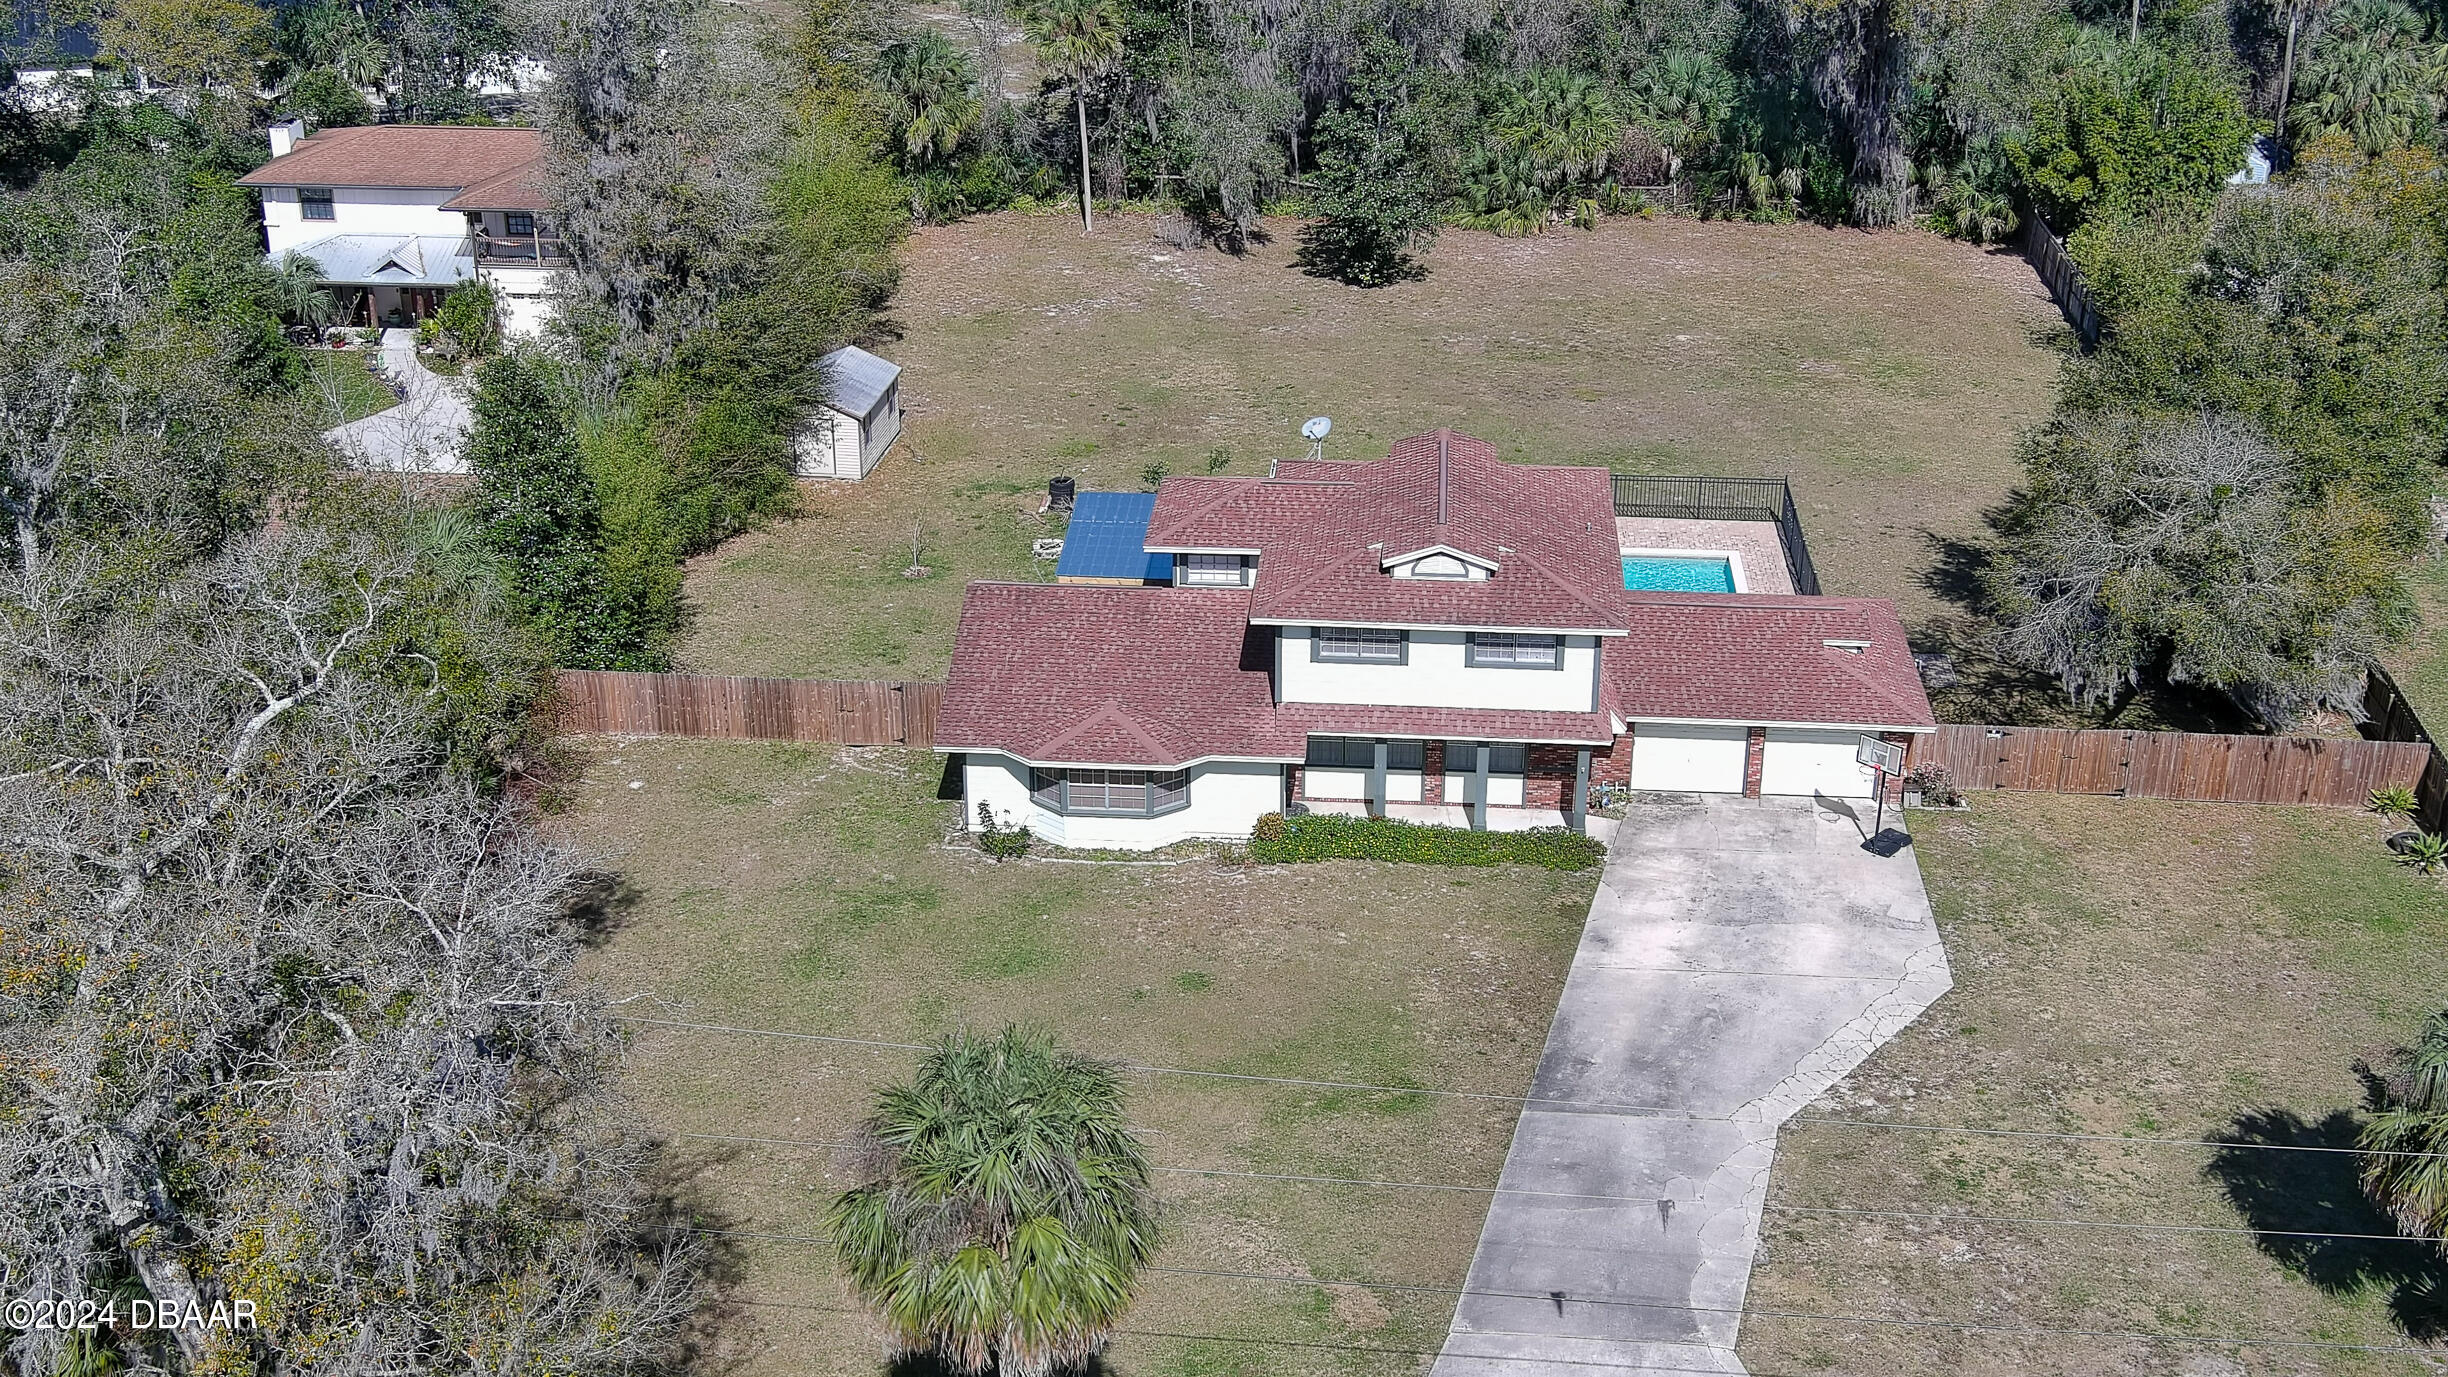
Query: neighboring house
[
  {"x": 397, "y": 214},
  {"x": 859, "y": 420},
  {"x": 1437, "y": 635}
]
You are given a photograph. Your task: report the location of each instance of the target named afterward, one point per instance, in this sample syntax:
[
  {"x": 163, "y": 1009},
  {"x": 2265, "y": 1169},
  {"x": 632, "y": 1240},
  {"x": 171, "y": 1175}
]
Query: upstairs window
[
  {"x": 1358, "y": 644},
  {"x": 1112, "y": 793},
  {"x": 519, "y": 222},
  {"x": 1360, "y": 753},
  {"x": 1512, "y": 650},
  {"x": 315, "y": 202},
  {"x": 1211, "y": 571}
]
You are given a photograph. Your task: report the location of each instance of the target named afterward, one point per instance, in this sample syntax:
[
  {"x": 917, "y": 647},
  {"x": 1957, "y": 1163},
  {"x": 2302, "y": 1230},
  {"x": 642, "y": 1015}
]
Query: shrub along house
[{"x": 1437, "y": 635}]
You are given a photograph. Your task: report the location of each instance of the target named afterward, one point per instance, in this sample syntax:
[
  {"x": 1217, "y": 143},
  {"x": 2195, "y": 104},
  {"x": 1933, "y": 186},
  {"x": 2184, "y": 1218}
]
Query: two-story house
[
  {"x": 1436, "y": 635},
  {"x": 394, "y": 215}
]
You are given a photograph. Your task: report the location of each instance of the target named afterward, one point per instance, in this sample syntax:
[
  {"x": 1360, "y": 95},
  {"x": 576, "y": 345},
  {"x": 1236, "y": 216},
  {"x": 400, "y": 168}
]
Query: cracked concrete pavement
[{"x": 1741, "y": 956}]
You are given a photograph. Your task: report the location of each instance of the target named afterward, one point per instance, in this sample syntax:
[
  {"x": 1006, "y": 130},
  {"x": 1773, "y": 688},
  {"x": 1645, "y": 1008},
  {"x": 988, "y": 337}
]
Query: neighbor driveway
[
  {"x": 425, "y": 433},
  {"x": 1741, "y": 956}
]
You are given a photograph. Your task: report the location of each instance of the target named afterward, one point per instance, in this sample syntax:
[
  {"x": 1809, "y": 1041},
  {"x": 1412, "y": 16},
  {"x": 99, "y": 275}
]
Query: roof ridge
[
  {"x": 1112, "y": 711},
  {"x": 1599, "y": 605}
]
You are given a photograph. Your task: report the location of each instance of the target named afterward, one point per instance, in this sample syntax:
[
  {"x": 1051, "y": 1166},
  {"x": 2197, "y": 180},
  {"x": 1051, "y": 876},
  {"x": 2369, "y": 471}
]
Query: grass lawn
[
  {"x": 2132, "y": 968},
  {"x": 2420, "y": 666},
  {"x": 1887, "y": 374},
  {"x": 345, "y": 383},
  {"x": 809, "y": 889}
]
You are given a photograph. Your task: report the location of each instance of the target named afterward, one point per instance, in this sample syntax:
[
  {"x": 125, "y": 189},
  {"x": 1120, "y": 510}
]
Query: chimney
[{"x": 285, "y": 135}]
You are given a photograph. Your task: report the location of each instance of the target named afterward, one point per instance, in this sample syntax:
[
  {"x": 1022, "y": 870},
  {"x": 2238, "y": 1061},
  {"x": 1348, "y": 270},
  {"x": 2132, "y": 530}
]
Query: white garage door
[
  {"x": 1798, "y": 761},
  {"x": 1703, "y": 760}
]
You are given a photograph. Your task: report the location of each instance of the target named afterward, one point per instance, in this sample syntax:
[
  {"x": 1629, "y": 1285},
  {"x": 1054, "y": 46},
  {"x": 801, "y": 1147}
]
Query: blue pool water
[{"x": 1679, "y": 573}]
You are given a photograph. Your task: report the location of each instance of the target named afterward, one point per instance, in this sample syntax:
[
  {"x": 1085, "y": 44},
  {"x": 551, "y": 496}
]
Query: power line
[
  {"x": 1943, "y": 1216},
  {"x": 1548, "y": 1101},
  {"x": 1747, "y": 1312}
]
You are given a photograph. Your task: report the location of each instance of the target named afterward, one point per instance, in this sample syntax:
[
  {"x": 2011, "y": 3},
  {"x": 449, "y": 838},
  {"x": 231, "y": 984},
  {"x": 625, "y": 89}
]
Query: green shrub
[
  {"x": 1331, "y": 836},
  {"x": 996, "y": 840},
  {"x": 2425, "y": 853},
  {"x": 2395, "y": 801}
]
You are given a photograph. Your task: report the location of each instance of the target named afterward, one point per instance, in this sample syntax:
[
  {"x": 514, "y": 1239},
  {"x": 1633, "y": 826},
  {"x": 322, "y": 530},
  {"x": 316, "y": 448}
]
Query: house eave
[{"x": 1440, "y": 626}]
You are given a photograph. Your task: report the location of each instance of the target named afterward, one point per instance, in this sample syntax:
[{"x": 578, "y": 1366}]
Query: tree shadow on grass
[
  {"x": 2306, "y": 1204},
  {"x": 927, "y": 1365}
]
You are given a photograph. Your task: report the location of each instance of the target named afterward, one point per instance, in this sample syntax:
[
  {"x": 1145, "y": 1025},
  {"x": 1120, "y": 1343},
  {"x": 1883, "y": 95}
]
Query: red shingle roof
[
  {"x": 404, "y": 155},
  {"x": 521, "y": 188},
  {"x": 1752, "y": 658},
  {"x": 1079, "y": 674},
  {"x": 1324, "y": 530}
]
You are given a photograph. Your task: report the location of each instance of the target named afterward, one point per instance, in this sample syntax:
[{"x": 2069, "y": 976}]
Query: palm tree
[
  {"x": 2406, "y": 1171},
  {"x": 297, "y": 287},
  {"x": 1005, "y": 1211},
  {"x": 2372, "y": 79},
  {"x": 929, "y": 78},
  {"x": 1082, "y": 41}
]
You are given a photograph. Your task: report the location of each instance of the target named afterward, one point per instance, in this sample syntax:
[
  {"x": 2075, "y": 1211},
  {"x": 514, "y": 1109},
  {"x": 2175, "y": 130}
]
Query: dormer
[{"x": 1442, "y": 563}]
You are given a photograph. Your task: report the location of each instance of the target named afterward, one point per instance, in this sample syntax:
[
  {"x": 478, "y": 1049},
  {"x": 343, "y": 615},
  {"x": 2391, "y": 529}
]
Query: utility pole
[{"x": 2286, "y": 72}]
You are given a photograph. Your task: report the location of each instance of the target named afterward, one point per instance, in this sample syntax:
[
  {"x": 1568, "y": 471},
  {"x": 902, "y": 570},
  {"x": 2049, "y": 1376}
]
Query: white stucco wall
[
  {"x": 359, "y": 210},
  {"x": 1226, "y": 799},
  {"x": 1436, "y": 676}
]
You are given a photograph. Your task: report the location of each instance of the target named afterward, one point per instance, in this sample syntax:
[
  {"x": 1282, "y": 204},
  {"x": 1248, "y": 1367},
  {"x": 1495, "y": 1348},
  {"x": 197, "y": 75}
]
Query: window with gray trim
[
  {"x": 1360, "y": 753},
  {"x": 1374, "y": 645},
  {"x": 1462, "y": 758},
  {"x": 1514, "y": 650},
  {"x": 315, "y": 202},
  {"x": 519, "y": 222},
  {"x": 1111, "y": 793},
  {"x": 1211, "y": 571}
]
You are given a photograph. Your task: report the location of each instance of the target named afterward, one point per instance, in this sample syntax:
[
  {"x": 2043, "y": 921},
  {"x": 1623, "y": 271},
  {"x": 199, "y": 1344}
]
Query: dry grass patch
[
  {"x": 2129, "y": 968},
  {"x": 811, "y": 890},
  {"x": 1887, "y": 374}
]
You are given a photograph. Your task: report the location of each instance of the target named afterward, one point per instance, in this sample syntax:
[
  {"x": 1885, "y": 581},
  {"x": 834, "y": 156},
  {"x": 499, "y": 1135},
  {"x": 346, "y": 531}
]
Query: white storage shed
[{"x": 859, "y": 420}]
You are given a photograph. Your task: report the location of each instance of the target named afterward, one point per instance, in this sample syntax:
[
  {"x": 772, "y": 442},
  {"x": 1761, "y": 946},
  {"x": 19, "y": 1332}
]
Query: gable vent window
[
  {"x": 1111, "y": 793},
  {"x": 1510, "y": 650},
  {"x": 1439, "y": 567},
  {"x": 315, "y": 202},
  {"x": 1212, "y": 571},
  {"x": 1358, "y": 644}
]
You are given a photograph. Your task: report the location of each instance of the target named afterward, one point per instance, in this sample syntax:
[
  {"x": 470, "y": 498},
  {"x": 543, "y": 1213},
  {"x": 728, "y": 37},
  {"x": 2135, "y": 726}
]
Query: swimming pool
[{"x": 1679, "y": 573}]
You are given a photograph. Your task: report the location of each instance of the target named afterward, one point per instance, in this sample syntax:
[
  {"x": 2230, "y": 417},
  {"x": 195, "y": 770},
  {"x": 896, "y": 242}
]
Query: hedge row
[{"x": 1334, "y": 836}]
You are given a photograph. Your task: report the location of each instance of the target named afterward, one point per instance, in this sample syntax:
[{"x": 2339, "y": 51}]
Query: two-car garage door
[{"x": 1709, "y": 760}]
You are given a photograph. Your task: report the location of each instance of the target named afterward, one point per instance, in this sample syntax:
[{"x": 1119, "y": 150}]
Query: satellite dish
[{"x": 1316, "y": 428}]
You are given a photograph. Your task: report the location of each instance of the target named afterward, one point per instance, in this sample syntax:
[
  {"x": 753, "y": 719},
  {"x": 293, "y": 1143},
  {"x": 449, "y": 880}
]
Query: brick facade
[
  {"x": 1755, "y": 760},
  {"x": 1613, "y": 764},
  {"x": 1432, "y": 784}
]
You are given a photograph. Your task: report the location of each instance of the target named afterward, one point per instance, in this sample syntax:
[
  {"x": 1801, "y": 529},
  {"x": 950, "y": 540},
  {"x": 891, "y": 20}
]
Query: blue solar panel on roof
[{"x": 1108, "y": 539}]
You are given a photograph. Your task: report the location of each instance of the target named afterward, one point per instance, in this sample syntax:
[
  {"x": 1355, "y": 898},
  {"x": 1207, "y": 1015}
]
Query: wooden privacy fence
[
  {"x": 2388, "y": 716},
  {"x": 850, "y": 712},
  {"x": 2048, "y": 257},
  {"x": 2174, "y": 765}
]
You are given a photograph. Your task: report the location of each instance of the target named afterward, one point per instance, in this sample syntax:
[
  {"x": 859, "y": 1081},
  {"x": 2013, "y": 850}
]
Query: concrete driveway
[
  {"x": 425, "y": 433},
  {"x": 1741, "y": 956}
]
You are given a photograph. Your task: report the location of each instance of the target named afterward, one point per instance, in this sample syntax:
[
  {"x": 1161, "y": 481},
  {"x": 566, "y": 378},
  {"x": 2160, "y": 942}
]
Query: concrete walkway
[
  {"x": 425, "y": 433},
  {"x": 1740, "y": 958}
]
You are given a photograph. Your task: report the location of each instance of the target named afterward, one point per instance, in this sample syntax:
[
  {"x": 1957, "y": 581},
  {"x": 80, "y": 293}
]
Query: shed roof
[
  {"x": 1107, "y": 539},
  {"x": 856, "y": 380},
  {"x": 419, "y": 155}
]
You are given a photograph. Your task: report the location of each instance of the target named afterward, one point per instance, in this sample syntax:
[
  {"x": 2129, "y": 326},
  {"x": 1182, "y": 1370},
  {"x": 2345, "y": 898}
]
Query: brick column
[
  {"x": 1755, "y": 759},
  {"x": 1895, "y": 782},
  {"x": 1613, "y": 765},
  {"x": 1432, "y": 772}
]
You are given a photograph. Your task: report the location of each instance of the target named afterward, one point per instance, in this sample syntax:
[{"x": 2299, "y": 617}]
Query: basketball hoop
[{"x": 1884, "y": 758}]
